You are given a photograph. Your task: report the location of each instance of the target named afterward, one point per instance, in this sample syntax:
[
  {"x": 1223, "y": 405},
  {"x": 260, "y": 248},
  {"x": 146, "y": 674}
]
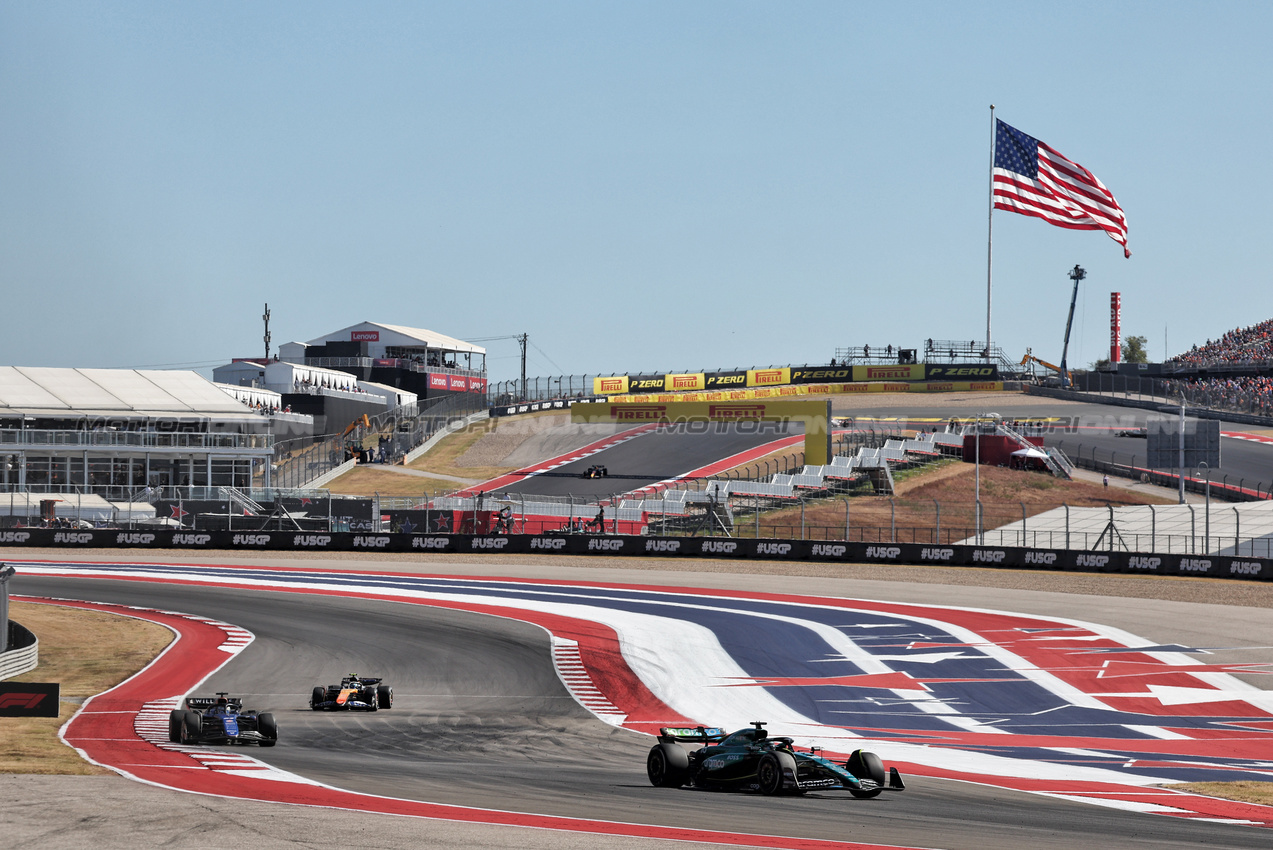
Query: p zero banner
[
  {"x": 768, "y": 377},
  {"x": 646, "y": 383},
  {"x": 958, "y": 372},
  {"x": 821, "y": 374},
  {"x": 725, "y": 380},
  {"x": 613, "y": 385}
]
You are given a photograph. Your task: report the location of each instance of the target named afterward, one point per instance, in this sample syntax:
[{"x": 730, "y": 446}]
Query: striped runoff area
[{"x": 1047, "y": 705}]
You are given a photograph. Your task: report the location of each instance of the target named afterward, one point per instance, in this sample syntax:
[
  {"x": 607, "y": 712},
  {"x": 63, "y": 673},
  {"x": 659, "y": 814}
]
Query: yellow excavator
[
  {"x": 1058, "y": 375},
  {"x": 363, "y": 422}
]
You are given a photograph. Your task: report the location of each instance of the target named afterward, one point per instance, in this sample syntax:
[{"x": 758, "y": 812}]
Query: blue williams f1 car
[
  {"x": 220, "y": 720},
  {"x": 750, "y": 760}
]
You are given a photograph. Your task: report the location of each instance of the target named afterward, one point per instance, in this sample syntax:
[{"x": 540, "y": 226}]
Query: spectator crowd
[
  {"x": 1241, "y": 345},
  {"x": 1251, "y": 394}
]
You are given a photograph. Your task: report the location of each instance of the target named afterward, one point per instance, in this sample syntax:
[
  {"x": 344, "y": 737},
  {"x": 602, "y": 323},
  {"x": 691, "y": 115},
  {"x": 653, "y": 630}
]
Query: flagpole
[{"x": 990, "y": 230}]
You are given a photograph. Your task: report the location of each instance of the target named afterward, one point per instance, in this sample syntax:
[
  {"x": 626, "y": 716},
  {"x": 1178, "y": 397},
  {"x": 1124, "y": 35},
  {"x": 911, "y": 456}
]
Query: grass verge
[
  {"x": 87, "y": 652},
  {"x": 364, "y": 481},
  {"x": 1260, "y": 793}
]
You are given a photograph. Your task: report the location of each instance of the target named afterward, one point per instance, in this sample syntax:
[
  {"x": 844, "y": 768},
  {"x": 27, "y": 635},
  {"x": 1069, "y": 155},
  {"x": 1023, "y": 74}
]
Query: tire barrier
[{"x": 1174, "y": 564}]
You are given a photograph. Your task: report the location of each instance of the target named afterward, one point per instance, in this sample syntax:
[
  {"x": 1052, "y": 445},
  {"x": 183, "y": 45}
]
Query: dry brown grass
[
  {"x": 443, "y": 457},
  {"x": 87, "y": 652},
  {"x": 366, "y": 480},
  {"x": 1260, "y": 793}
]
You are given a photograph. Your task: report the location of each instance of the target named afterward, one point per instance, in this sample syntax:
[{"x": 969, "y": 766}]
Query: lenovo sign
[{"x": 364, "y": 336}]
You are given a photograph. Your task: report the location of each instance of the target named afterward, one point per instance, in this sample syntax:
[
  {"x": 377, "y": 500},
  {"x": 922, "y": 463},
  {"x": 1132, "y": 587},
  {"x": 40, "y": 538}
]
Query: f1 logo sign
[
  {"x": 20, "y": 700},
  {"x": 29, "y": 699}
]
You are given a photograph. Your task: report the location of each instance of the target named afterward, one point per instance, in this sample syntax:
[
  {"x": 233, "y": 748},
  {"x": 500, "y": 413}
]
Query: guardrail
[{"x": 25, "y": 654}]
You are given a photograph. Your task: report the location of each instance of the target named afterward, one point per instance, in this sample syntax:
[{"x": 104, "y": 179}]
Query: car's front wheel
[
  {"x": 266, "y": 725},
  {"x": 317, "y": 698},
  {"x": 866, "y": 765},
  {"x": 769, "y": 775}
]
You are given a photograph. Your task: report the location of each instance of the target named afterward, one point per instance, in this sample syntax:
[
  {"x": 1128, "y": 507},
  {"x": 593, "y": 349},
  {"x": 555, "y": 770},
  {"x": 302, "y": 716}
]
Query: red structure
[{"x": 1115, "y": 326}]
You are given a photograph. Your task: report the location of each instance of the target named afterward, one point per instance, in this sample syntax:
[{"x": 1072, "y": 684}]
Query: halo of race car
[{"x": 751, "y": 760}]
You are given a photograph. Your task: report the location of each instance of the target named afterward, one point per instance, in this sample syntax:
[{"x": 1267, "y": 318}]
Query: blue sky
[{"x": 638, "y": 186}]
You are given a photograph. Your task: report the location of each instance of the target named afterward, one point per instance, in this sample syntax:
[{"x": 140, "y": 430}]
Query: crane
[{"x": 1076, "y": 274}]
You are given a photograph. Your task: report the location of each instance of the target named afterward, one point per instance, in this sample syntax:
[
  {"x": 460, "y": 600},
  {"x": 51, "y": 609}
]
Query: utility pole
[{"x": 267, "y": 330}]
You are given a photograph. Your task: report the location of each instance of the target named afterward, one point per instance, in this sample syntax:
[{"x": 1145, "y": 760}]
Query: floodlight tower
[
  {"x": 266, "y": 317},
  {"x": 1076, "y": 274}
]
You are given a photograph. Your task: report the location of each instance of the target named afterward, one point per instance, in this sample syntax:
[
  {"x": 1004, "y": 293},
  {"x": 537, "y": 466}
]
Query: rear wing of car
[
  {"x": 691, "y": 734},
  {"x": 209, "y": 702}
]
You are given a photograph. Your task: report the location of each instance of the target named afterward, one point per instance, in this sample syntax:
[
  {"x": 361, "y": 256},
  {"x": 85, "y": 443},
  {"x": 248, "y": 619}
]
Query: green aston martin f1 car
[{"x": 750, "y": 760}]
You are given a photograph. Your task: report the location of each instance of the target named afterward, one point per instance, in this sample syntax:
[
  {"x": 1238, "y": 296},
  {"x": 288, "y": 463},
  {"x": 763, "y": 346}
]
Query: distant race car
[
  {"x": 220, "y": 720},
  {"x": 750, "y": 760},
  {"x": 596, "y": 471},
  {"x": 1132, "y": 432},
  {"x": 354, "y": 693}
]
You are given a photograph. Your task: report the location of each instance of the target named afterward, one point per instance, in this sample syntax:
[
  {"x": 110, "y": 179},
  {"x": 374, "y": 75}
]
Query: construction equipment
[
  {"x": 1076, "y": 275},
  {"x": 361, "y": 421},
  {"x": 1030, "y": 358}
]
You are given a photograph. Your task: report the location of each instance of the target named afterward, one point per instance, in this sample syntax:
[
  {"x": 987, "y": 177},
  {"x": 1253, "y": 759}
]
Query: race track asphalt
[{"x": 481, "y": 719}]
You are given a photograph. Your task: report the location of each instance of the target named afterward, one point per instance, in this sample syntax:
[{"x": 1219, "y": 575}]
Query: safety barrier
[
  {"x": 1215, "y": 566},
  {"x": 24, "y": 654}
]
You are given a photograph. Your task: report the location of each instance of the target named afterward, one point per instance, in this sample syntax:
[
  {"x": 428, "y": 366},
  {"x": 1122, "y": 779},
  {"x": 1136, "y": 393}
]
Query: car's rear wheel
[
  {"x": 384, "y": 696},
  {"x": 191, "y": 727},
  {"x": 668, "y": 766},
  {"x": 175, "y": 718},
  {"x": 267, "y": 727},
  {"x": 317, "y": 698},
  {"x": 866, "y": 765}
]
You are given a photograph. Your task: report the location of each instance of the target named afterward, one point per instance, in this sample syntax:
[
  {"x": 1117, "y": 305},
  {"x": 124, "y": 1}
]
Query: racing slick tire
[
  {"x": 368, "y": 698},
  {"x": 191, "y": 727},
  {"x": 317, "y": 698},
  {"x": 176, "y": 718},
  {"x": 668, "y": 766},
  {"x": 384, "y": 696},
  {"x": 770, "y": 770},
  {"x": 267, "y": 727},
  {"x": 866, "y": 765}
]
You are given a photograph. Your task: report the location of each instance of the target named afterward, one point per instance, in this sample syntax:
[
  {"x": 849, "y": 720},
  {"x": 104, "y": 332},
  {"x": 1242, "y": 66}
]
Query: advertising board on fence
[{"x": 1008, "y": 557}]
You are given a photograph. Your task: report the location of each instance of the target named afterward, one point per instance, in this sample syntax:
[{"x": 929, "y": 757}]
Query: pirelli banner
[{"x": 947, "y": 376}]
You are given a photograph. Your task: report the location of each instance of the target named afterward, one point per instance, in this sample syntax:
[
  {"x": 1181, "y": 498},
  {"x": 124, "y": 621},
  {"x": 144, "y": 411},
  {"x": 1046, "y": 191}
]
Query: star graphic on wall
[
  {"x": 407, "y": 526},
  {"x": 178, "y": 513}
]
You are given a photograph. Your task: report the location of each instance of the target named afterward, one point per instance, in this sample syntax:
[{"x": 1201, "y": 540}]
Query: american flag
[{"x": 1032, "y": 178}]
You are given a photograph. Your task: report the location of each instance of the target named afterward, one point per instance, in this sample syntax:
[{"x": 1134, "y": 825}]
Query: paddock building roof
[
  {"x": 57, "y": 392},
  {"x": 379, "y": 336}
]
